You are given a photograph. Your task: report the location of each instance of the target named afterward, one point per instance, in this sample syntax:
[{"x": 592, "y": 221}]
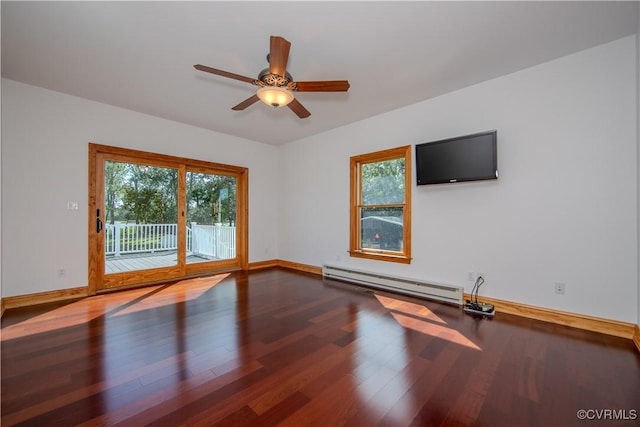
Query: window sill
[{"x": 384, "y": 256}]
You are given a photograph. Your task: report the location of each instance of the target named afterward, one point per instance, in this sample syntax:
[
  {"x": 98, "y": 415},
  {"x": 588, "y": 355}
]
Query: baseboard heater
[{"x": 445, "y": 293}]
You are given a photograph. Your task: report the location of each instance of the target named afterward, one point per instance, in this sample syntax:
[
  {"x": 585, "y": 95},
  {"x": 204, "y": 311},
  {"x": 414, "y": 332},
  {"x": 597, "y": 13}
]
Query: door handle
[{"x": 98, "y": 221}]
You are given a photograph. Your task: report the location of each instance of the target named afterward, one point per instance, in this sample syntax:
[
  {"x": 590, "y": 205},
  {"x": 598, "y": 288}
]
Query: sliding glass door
[
  {"x": 211, "y": 217},
  {"x": 140, "y": 218},
  {"x": 155, "y": 218}
]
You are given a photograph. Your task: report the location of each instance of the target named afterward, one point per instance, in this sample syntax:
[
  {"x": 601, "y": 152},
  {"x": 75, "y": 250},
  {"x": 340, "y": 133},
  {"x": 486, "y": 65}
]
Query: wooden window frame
[{"x": 355, "y": 247}]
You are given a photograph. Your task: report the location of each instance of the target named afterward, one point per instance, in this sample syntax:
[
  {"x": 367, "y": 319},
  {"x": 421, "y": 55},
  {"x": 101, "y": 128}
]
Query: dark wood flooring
[{"x": 279, "y": 347}]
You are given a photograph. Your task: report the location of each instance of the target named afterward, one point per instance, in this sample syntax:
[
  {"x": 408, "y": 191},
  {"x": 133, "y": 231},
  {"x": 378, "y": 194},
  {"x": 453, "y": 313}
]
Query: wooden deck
[{"x": 145, "y": 261}]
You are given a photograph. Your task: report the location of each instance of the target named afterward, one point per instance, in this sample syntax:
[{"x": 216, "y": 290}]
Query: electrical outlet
[
  {"x": 471, "y": 276},
  {"x": 337, "y": 257},
  {"x": 560, "y": 288},
  {"x": 62, "y": 272}
]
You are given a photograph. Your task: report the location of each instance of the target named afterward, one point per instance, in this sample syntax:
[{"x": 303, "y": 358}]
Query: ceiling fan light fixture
[{"x": 275, "y": 96}]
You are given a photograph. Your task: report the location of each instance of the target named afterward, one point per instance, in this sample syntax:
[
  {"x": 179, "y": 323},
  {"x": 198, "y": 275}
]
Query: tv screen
[{"x": 465, "y": 158}]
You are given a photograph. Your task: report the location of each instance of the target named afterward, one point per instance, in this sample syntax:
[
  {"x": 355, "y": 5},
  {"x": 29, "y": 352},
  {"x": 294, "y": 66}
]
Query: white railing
[
  {"x": 211, "y": 241},
  {"x": 135, "y": 238}
]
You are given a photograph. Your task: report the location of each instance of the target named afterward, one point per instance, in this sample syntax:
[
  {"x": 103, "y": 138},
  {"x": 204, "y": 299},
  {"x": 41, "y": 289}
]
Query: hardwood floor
[{"x": 278, "y": 347}]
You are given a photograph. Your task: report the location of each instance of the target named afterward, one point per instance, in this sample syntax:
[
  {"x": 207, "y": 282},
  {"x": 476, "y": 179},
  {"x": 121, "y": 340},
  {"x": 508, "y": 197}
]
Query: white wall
[
  {"x": 564, "y": 208},
  {"x": 45, "y": 165}
]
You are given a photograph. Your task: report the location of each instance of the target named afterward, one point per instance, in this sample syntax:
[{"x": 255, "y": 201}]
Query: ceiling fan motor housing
[{"x": 270, "y": 79}]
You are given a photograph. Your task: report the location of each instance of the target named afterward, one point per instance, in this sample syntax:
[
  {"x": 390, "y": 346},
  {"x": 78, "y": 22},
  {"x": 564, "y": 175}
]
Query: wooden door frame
[{"x": 96, "y": 277}]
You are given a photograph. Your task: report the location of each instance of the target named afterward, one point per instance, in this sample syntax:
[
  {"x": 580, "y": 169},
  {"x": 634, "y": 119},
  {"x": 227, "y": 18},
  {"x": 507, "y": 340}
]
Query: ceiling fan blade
[
  {"x": 299, "y": 109},
  {"x": 223, "y": 73},
  {"x": 323, "y": 86},
  {"x": 247, "y": 102},
  {"x": 278, "y": 55}
]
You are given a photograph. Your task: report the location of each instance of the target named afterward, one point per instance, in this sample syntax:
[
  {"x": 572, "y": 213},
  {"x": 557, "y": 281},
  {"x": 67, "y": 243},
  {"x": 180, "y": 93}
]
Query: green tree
[
  {"x": 383, "y": 182},
  {"x": 211, "y": 198},
  {"x": 114, "y": 173},
  {"x": 150, "y": 194}
]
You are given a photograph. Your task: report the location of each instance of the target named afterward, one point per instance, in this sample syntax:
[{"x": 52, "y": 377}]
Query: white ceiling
[{"x": 140, "y": 55}]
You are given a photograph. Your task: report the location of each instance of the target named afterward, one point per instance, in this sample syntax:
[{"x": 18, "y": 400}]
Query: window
[{"x": 381, "y": 205}]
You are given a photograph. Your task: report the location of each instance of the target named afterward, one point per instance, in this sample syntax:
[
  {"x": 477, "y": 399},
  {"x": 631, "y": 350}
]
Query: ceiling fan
[{"x": 276, "y": 84}]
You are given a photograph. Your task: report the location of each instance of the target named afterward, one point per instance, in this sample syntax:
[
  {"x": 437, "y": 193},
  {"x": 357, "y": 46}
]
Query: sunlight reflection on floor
[
  {"x": 115, "y": 304},
  {"x": 432, "y": 329},
  {"x": 419, "y": 318},
  {"x": 409, "y": 308},
  {"x": 72, "y": 314},
  {"x": 183, "y": 291}
]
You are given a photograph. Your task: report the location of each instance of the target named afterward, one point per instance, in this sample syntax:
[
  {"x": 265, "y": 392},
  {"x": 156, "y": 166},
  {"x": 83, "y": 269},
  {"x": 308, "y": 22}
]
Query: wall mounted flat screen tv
[{"x": 465, "y": 158}]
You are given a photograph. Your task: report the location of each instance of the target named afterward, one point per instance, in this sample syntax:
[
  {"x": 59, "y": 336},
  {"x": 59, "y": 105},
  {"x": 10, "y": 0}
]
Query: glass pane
[
  {"x": 383, "y": 182},
  {"x": 381, "y": 228},
  {"x": 211, "y": 217},
  {"x": 141, "y": 216}
]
